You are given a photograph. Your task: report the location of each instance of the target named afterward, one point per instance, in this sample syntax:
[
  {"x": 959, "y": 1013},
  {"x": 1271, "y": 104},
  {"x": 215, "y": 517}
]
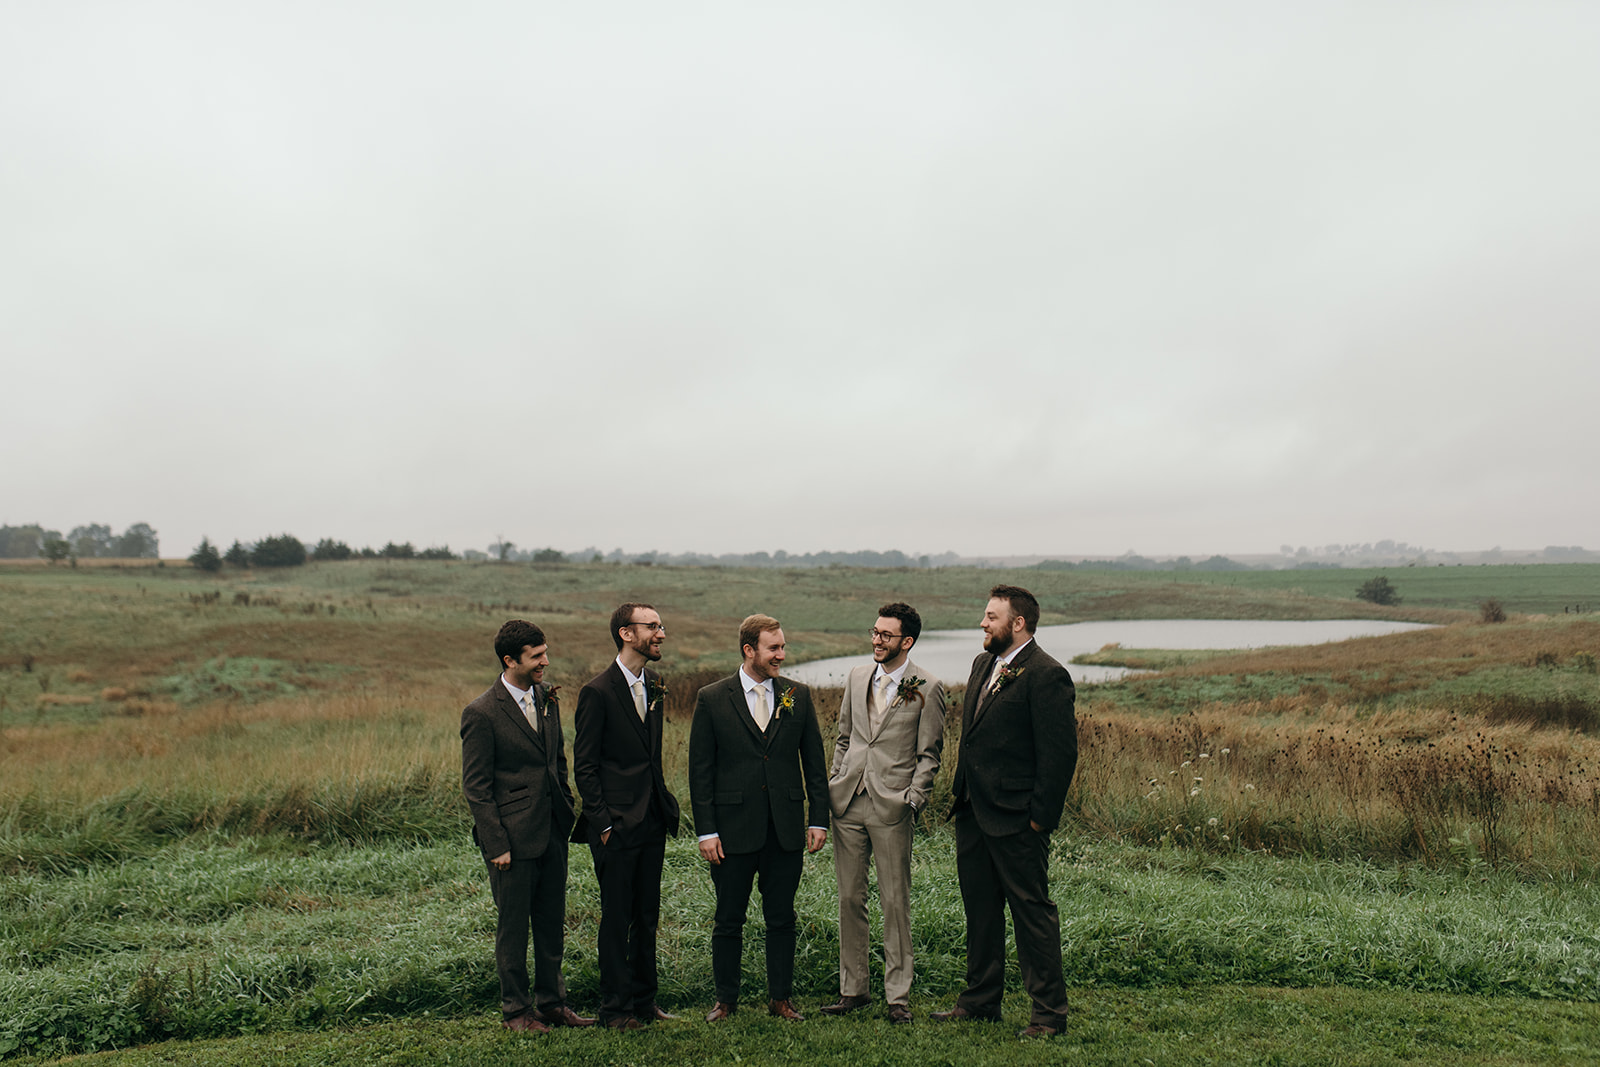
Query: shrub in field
[
  {"x": 285, "y": 550},
  {"x": 1377, "y": 591},
  {"x": 329, "y": 549},
  {"x": 1492, "y": 610},
  {"x": 237, "y": 555},
  {"x": 206, "y": 557}
]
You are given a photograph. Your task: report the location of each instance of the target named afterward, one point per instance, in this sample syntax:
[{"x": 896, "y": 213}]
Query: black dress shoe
[
  {"x": 846, "y": 1005},
  {"x": 563, "y": 1016},
  {"x": 960, "y": 1014},
  {"x": 720, "y": 1011},
  {"x": 899, "y": 1013},
  {"x": 785, "y": 1010}
]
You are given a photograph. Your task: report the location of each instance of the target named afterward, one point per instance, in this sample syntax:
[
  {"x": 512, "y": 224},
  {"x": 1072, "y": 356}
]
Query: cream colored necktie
[
  {"x": 531, "y": 712},
  {"x": 763, "y": 714},
  {"x": 878, "y": 703},
  {"x": 994, "y": 683},
  {"x": 638, "y": 698}
]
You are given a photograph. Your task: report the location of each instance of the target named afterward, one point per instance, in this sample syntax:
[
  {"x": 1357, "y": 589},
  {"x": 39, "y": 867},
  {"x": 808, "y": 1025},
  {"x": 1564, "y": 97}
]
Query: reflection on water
[{"x": 948, "y": 654}]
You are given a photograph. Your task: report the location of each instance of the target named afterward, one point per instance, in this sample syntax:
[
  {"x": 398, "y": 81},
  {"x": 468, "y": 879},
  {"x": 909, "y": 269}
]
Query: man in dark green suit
[{"x": 755, "y": 763}]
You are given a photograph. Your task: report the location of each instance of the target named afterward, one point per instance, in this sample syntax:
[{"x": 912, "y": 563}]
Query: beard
[{"x": 999, "y": 645}]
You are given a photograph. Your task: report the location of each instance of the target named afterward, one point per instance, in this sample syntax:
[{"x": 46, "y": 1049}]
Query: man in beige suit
[{"x": 891, "y": 731}]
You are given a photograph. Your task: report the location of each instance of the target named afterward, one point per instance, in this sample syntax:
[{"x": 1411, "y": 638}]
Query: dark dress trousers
[
  {"x": 1019, "y": 748},
  {"x": 752, "y": 788},
  {"x": 616, "y": 763},
  {"x": 515, "y": 780}
]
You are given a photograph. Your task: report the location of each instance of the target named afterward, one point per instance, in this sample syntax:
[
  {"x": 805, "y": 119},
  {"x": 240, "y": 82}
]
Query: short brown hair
[
  {"x": 623, "y": 616},
  {"x": 513, "y": 637},
  {"x": 751, "y": 629},
  {"x": 1022, "y": 603}
]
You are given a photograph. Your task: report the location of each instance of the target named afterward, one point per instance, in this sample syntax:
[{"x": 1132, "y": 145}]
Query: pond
[{"x": 948, "y": 654}]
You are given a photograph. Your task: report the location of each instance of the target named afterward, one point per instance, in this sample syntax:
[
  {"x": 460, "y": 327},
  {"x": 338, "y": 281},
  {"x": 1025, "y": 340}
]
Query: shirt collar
[
  {"x": 628, "y": 675},
  {"x": 894, "y": 675},
  {"x": 750, "y": 683},
  {"x": 1012, "y": 653},
  {"x": 519, "y": 695}
]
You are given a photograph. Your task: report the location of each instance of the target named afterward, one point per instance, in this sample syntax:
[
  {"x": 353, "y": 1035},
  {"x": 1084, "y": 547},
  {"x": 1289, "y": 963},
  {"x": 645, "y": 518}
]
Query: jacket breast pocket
[{"x": 1013, "y": 794}]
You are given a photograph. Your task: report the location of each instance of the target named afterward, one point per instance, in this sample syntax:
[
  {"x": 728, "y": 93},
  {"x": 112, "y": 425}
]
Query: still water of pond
[{"x": 948, "y": 654}]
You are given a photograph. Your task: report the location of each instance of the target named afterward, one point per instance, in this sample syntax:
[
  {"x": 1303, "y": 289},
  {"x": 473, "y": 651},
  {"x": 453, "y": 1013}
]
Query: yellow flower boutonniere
[
  {"x": 910, "y": 689},
  {"x": 785, "y": 702}
]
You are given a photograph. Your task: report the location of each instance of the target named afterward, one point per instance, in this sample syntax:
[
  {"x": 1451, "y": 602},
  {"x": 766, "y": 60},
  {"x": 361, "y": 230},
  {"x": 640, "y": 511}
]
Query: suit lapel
[
  {"x": 861, "y": 698},
  {"x": 513, "y": 711},
  {"x": 741, "y": 708},
  {"x": 1017, "y": 664},
  {"x": 624, "y": 697},
  {"x": 969, "y": 712}
]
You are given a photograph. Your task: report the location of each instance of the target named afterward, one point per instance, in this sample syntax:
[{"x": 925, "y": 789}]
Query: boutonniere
[
  {"x": 785, "y": 702},
  {"x": 1007, "y": 675},
  {"x": 657, "y": 695},
  {"x": 550, "y": 698},
  {"x": 910, "y": 688}
]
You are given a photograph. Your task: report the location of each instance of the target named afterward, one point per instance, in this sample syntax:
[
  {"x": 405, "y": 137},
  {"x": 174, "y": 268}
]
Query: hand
[
  {"x": 1036, "y": 827},
  {"x": 605, "y": 836},
  {"x": 711, "y": 849},
  {"x": 815, "y": 839},
  {"x": 501, "y": 862}
]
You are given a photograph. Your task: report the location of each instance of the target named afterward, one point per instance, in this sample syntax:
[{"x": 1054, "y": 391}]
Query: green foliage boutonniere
[
  {"x": 550, "y": 698},
  {"x": 1007, "y": 676},
  {"x": 657, "y": 695},
  {"x": 910, "y": 689}
]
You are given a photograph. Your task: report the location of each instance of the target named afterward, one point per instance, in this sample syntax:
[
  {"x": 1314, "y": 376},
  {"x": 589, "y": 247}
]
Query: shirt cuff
[
  {"x": 708, "y": 837},
  {"x": 824, "y": 829}
]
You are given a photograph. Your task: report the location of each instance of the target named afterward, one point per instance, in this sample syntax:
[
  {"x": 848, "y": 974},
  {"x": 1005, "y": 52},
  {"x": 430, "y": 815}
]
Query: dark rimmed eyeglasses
[
  {"x": 651, "y": 626},
  {"x": 883, "y": 635}
]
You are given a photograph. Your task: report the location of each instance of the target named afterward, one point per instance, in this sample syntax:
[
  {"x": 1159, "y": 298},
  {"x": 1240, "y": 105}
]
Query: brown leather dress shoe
[
  {"x": 563, "y": 1016},
  {"x": 720, "y": 1011},
  {"x": 624, "y": 1022},
  {"x": 1037, "y": 1030},
  {"x": 525, "y": 1023},
  {"x": 846, "y": 1005},
  {"x": 960, "y": 1014},
  {"x": 899, "y": 1013},
  {"x": 785, "y": 1010},
  {"x": 654, "y": 1014}
]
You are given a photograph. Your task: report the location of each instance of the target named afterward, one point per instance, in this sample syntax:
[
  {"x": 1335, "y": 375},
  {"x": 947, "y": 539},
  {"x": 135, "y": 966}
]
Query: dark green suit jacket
[{"x": 741, "y": 780}]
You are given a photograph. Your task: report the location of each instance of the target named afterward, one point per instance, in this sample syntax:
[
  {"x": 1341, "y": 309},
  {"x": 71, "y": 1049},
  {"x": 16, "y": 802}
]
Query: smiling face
[
  {"x": 889, "y": 643},
  {"x": 764, "y": 660},
  {"x": 1000, "y": 626},
  {"x": 645, "y": 633},
  {"x": 528, "y": 668}
]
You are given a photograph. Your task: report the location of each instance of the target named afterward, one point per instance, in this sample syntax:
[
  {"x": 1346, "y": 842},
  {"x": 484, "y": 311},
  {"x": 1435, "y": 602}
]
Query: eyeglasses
[
  {"x": 883, "y": 635},
  {"x": 651, "y": 626}
]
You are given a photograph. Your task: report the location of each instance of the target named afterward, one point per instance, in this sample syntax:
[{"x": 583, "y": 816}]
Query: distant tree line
[
  {"x": 287, "y": 550},
  {"x": 94, "y": 541},
  {"x": 1140, "y": 563}
]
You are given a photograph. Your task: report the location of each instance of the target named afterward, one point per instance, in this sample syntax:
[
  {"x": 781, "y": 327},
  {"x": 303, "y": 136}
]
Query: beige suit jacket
[{"x": 898, "y": 762}]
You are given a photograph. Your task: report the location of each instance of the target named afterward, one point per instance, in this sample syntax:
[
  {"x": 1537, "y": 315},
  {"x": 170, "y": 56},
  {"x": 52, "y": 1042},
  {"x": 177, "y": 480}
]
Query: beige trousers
[{"x": 858, "y": 838}]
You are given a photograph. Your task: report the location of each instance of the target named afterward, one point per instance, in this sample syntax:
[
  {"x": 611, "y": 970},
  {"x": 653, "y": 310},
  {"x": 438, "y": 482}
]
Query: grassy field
[{"x": 230, "y": 806}]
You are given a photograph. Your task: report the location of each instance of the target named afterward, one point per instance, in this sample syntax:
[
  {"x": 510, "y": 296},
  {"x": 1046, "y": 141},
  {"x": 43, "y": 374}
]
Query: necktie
[
  {"x": 763, "y": 714},
  {"x": 531, "y": 712},
  {"x": 638, "y": 698},
  {"x": 878, "y": 703},
  {"x": 994, "y": 683}
]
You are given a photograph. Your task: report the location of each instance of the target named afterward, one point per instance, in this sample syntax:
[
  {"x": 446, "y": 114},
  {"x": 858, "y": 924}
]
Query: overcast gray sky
[{"x": 999, "y": 279}]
